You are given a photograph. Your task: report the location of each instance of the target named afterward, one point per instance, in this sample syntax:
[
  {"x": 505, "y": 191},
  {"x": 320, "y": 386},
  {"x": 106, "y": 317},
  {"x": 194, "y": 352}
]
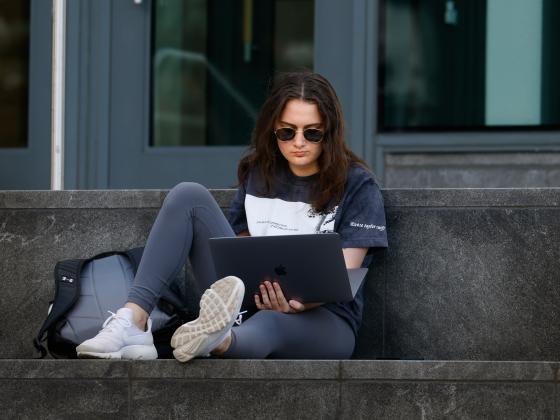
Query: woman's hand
[{"x": 271, "y": 297}]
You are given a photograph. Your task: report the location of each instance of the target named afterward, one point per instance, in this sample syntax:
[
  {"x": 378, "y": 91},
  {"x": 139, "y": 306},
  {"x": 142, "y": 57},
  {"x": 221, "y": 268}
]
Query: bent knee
[{"x": 186, "y": 193}]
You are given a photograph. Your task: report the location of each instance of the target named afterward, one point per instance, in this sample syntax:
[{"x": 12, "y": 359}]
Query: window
[
  {"x": 212, "y": 61},
  {"x": 468, "y": 65},
  {"x": 14, "y": 68}
]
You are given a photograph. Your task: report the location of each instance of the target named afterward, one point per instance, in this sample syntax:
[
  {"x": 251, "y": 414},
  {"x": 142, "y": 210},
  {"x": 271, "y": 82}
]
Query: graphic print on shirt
[{"x": 274, "y": 216}]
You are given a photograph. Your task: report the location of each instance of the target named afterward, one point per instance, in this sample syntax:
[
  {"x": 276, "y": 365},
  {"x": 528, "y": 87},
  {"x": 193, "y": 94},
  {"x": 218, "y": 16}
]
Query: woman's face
[{"x": 301, "y": 154}]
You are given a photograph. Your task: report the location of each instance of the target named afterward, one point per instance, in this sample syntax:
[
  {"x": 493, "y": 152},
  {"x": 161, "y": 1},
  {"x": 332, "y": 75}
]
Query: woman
[{"x": 299, "y": 177}]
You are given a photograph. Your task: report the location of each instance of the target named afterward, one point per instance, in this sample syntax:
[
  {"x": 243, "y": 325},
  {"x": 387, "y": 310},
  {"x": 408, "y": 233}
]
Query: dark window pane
[
  {"x": 212, "y": 61},
  {"x": 14, "y": 65},
  {"x": 468, "y": 64}
]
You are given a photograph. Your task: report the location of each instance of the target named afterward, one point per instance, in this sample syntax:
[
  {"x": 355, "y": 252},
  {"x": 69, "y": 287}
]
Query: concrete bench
[
  {"x": 279, "y": 389},
  {"x": 470, "y": 274}
]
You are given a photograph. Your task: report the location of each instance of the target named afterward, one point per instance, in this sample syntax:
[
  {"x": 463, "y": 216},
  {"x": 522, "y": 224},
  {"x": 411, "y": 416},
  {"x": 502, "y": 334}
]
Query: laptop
[{"x": 309, "y": 268}]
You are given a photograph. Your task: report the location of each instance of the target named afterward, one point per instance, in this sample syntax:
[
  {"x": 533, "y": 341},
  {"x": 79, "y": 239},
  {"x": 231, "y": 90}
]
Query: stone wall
[
  {"x": 280, "y": 389},
  {"x": 471, "y": 170},
  {"x": 470, "y": 274}
]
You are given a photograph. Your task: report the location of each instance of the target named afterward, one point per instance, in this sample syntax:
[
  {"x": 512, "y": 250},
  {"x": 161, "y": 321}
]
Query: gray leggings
[{"x": 188, "y": 217}]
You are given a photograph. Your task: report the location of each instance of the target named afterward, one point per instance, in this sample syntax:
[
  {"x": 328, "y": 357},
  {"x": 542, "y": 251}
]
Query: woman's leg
[
  {"x": 314, "y": 334},
  {"x": 188, "y": 217}
]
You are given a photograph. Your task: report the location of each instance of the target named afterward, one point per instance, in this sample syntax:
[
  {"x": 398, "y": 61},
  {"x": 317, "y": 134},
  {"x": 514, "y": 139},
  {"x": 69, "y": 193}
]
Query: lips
[{"x": 299, "y": 154}]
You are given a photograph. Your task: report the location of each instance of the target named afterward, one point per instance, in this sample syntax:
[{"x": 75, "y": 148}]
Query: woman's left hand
[{"x": 272, "y": 298}]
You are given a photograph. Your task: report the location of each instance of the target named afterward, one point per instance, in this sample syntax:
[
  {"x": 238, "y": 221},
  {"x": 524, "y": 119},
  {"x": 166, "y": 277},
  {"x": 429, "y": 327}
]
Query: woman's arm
[
  {"x": 272, "y": 297},
  {"x": 353, "y": 257}
]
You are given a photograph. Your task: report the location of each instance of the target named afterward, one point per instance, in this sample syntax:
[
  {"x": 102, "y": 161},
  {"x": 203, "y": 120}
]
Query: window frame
[{"x": 499, "y": 139}]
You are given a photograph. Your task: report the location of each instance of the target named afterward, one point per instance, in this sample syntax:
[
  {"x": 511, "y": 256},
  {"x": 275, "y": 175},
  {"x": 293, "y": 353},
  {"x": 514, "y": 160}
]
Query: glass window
[
  {"x": 14, "y": 67},
  {"x": 469, "y": 64},
  {"x": 212, "y": 62}
]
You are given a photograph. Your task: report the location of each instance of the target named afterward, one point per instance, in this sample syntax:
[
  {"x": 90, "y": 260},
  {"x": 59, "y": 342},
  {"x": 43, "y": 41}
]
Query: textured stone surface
[
  {"x": 68, "y": 399},
  {"x": 470, "y": 283},
  {"x": 63, "y": 369},
  {"x": 557, "y": 402},
  {"x": 469, "y": 198},
  {"x": 448, "y": 370},
  {"x": 237, "y": 369},
  {"x": 85, "y": 199},
  {"x": 402, "y": 400},
  {"x": 234, "y": 399},
  {"x": 33, "y": 240},
  {"x": 278, "y": 389},
  {"x": 472, "y": 170},
  {"x": 470, "y": 274},
  {"x": 94, "y": 199},
  {"x": 397, "y": 197},
  {"x": 345, "y": 370}
]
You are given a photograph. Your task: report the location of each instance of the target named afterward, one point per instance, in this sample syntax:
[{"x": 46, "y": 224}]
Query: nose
[{"x": 299, "y": 140}]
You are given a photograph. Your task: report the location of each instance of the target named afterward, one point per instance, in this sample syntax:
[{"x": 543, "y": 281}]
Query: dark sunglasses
[{"x": 314, "y": 135}]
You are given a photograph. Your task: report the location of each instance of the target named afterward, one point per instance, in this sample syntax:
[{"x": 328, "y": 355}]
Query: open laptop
[{"x": 309, "y": 268}]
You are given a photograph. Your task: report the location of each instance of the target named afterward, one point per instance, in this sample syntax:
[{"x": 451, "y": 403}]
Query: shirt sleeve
[
  {"x": 237, "y": 217},
  {"x": 361, "y": 221}
]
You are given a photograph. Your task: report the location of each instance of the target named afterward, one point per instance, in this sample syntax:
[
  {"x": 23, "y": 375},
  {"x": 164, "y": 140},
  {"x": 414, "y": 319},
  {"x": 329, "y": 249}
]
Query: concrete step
[
  {"x": 249, "y": 389},
  {"x": 471, "y": 274}
]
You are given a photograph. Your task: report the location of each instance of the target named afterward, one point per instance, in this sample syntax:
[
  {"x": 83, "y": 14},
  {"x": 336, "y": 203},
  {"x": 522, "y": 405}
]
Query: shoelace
[
  {"x": 239, "y": 318},
  {"x": 122, "y": 321}
]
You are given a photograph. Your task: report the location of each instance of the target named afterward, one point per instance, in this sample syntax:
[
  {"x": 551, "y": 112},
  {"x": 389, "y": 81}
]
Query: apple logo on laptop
[{"x": 280, "y": 270}]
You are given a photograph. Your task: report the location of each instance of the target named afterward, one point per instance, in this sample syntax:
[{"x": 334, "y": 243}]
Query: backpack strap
[{"x": 67, "y": 291}]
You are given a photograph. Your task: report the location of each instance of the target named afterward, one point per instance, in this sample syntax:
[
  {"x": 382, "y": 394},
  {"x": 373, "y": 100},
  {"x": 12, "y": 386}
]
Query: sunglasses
[{"x": 314, "y": 135}]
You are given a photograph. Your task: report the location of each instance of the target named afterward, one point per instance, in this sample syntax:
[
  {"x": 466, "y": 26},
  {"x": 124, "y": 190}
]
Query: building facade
[{"x": 436, "y": 93}]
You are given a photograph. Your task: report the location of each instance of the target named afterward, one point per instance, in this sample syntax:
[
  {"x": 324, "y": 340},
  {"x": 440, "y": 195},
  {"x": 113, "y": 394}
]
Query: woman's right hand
[{"x": 272, "y": 298}]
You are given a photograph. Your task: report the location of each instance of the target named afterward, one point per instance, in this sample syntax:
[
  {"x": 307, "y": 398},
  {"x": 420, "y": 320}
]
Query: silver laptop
[{"x": 309, "y": 268}]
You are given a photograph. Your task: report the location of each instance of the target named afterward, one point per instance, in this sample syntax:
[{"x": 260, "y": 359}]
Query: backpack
[{"x": 86, "y": 289}]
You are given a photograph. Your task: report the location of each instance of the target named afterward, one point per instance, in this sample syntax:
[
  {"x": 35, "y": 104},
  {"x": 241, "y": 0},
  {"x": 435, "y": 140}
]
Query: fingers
[
  {"x": 264, "y": 297},
  {"x": 297, "y": 306},
  {"x": 300, "y": 307},
  {"x": 271, "y": 297},
  {"x": 279, "y": 298},
  {"x": 258, "y": 302}
]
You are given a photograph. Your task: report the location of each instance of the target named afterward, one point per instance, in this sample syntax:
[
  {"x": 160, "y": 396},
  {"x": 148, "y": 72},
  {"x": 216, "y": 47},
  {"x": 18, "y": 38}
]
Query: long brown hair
[{"x": 328, "y": 188}]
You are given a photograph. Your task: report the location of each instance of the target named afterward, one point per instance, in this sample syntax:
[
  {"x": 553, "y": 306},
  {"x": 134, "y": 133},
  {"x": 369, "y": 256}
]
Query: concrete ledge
[
  {"x": 432, "y": 197},
  {"x": 313, "y": 370},
  {"x": 471, "y": 274},
  {"x": 94, "y": 199},
  {"x": 225, "y": 389},
  {"x": 406, "y": 370}
]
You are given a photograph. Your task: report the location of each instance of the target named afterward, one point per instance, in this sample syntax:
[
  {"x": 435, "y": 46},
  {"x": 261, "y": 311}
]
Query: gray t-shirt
[{"x": 359, "y": 218}]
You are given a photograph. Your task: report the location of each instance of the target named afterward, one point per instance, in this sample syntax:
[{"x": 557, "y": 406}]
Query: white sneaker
[
  {"x": 120, "y": 339},
  {"x": 219, "y": 307}
]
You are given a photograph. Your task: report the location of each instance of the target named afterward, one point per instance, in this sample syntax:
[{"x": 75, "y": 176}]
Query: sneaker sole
[
  {"x": 135, "y": 352},
  {"x": 219, "y": 307}
]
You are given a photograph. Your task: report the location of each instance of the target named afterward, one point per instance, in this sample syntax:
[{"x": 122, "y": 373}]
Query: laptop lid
[{"x": 309, "y": 268}]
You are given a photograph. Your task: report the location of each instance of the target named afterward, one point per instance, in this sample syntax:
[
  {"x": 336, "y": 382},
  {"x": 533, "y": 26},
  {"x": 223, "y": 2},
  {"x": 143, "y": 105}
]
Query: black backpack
[{"x": 85, "y": 289}]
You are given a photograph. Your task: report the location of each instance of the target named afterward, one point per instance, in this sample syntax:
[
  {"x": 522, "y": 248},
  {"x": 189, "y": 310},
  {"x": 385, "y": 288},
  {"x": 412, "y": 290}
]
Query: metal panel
[
  {"x": 485, "y": 141},
  {"x": 132, "y": 163},
  {"x": 340, "y": 57},
  {"x": 109, "y": 84},
  {"x": 29, "y": 168},
  {"x": 88, "y": 112},
  {"x": 348, "y": 58}
]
